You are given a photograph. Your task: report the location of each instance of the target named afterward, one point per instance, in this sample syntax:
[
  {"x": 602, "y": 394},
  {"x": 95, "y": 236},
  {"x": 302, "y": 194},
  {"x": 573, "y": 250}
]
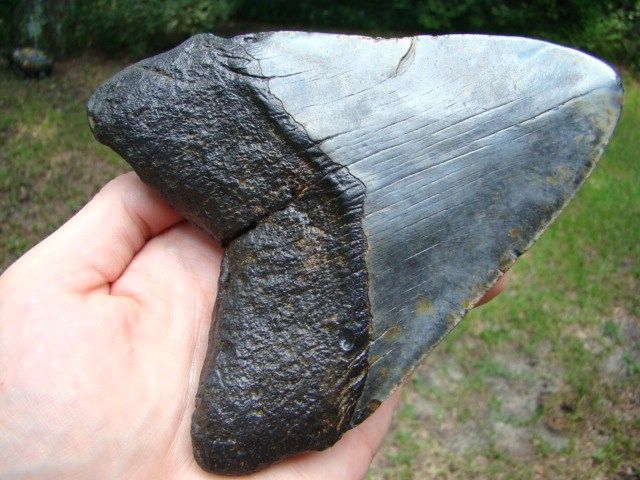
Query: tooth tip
[{"x": 599, "y": 72}]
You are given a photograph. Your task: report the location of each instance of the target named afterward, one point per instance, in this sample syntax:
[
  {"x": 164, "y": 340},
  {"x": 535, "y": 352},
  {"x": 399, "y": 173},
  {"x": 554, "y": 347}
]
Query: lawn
[{"x": 544, "y": 382}]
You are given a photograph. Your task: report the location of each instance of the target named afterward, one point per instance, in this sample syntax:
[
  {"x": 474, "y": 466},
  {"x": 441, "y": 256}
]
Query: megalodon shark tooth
[{"x": 368, "y": 192}]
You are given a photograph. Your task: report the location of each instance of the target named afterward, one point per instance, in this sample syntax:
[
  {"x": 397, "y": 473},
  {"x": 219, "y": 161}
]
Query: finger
[
  {"x": 349, "y": 458},
  {"x": 174, "y": 266},
  {"x": 494, "y": 291},
  {"x": 182, "y": 250},
  {"x": 94, "y": 247},
  {"x": 374, "y": 428},
  {"x": 174, "y": 277}
]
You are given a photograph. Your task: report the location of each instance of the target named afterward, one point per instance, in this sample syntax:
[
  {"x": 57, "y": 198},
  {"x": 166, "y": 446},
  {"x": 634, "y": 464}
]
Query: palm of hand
[{"x": 103, "y": 331}]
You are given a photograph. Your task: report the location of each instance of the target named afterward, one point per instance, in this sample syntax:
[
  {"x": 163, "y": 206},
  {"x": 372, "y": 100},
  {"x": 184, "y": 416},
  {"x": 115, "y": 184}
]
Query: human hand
[{"x": 103, "y": 331}]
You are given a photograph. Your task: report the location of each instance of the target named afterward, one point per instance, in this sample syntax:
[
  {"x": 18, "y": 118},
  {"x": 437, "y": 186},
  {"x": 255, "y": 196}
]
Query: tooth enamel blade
[{"x": 468, "y": 147}]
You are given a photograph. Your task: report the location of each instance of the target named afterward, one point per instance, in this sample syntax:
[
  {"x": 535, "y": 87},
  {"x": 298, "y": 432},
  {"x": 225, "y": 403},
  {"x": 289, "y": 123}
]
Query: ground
[{"x": 544, "y": 382}]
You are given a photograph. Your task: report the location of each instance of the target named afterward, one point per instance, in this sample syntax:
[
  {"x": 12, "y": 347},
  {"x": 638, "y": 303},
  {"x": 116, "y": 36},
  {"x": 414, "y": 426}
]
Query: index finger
[{"x": 94, "y": 247}]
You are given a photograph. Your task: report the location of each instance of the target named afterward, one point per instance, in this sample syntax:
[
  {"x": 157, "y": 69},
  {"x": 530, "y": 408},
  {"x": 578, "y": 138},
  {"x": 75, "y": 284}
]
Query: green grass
[{"x": 542, "y": 382}]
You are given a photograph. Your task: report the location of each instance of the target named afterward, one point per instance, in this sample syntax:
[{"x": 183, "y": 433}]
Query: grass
[{"x": 544, "y": 382}]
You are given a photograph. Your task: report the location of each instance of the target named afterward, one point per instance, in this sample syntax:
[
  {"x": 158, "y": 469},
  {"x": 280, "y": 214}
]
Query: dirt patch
[{"x": 624, "y": 358}]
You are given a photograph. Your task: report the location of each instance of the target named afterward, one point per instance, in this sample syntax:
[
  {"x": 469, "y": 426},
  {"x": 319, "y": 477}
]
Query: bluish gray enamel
[{"x": 468, "y": 146}]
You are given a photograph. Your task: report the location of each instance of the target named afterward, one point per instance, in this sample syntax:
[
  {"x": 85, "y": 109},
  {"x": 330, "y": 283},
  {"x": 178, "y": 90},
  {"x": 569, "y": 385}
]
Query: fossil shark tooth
[{"x": 368, "y": 191}]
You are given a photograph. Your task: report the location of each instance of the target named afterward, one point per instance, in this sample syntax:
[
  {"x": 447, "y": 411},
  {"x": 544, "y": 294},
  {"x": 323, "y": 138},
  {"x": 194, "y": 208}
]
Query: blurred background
[{"x": 544, "y": 382}]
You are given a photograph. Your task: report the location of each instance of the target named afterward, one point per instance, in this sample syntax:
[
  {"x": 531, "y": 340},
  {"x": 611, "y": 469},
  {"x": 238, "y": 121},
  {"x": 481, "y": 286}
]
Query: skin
[{"x": 103, "y": 331}]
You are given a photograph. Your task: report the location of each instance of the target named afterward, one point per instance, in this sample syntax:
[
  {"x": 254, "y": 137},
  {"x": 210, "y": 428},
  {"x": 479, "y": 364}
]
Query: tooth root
[
  {"x": 288, "y": 357},
  {"x": 369, "y": 191}
]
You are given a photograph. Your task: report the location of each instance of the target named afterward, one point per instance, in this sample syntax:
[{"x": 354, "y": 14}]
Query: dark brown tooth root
[{"x": 287, "y": 356}]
